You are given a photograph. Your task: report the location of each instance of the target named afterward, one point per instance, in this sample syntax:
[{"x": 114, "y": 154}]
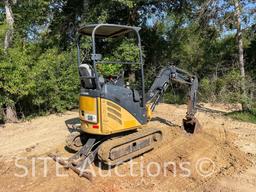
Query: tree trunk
[
  {"x": 10, "y": 115},
  {"x": 241, "y": 51},
  {"x": 10, "y": 22}
]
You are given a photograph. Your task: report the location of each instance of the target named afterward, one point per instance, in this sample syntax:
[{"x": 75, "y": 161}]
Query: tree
[
  {"x": 10, "y": 112},
  {"x": 38, "y": 74},
  {"x": 230, "y": 16},
  {"x": 10, "y": 22},
  {"x": 240, "y": 49}
]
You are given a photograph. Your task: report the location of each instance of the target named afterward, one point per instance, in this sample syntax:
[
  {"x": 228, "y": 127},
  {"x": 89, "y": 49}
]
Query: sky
[{"x": 247, "y": 9}]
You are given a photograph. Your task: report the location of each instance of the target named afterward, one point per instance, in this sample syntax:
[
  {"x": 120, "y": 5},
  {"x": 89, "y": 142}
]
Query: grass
[{"x": 247, "y": 116}]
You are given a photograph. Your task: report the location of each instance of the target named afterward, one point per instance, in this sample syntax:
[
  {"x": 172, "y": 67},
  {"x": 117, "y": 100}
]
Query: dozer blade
[
  {"x": 191, "y": 125},
  {"x": 67, "y": 165},
  {"x": 81, "y": 160}
]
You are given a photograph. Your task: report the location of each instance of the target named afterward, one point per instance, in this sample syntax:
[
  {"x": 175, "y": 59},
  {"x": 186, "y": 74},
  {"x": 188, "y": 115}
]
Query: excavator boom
[{"x": 162, "y": 82}]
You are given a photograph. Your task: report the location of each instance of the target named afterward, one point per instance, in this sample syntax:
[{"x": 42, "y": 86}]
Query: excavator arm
[{"x": 162, "y": 82}]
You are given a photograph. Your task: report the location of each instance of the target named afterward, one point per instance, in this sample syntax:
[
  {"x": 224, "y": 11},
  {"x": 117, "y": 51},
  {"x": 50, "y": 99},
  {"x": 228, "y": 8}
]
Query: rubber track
[{"x": 107, "y": 146}]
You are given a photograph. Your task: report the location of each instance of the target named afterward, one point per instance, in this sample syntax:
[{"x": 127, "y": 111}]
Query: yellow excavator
[{"x": 112, "y": 114}]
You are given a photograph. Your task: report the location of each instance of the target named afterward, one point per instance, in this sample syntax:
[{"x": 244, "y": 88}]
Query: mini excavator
[{"x": 112, "y": 114}]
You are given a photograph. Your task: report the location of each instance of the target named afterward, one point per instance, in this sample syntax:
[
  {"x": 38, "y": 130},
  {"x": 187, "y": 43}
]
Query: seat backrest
[{"x": 86, "y": 70}]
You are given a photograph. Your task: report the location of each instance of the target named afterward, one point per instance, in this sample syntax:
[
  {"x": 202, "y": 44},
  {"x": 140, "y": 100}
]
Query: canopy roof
[{"x": 107, "y": 30}]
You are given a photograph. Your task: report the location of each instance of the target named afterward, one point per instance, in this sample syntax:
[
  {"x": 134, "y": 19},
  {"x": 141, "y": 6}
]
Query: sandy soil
[{"x": 221, "y": 157}]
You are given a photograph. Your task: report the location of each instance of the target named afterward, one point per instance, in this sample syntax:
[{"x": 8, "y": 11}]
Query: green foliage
[
  {"x": 109, "y": 69},
  {"x": 251, "y": 56},
  {"x": 247, "y": 116},
  {"x": 16, "y": 80},
  {"x": 170, "y": 97},
  {"x": 127, "y": 51},
  {"x": 3, "y": 29},
  {"x": 223, "y": 89},
  {"x": 38, "y": 73},
  {"x": 226, "y": 89},
  {"x": 56, "y": 85},
  {"x": 129, "y": 3},
  {"x": 37, "y": 84},
  {"x": 191, "y": 52}
]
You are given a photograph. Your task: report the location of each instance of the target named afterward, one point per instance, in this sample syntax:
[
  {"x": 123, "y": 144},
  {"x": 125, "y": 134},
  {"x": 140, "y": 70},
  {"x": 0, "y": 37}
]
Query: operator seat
[{"x": 86, "y": 71}]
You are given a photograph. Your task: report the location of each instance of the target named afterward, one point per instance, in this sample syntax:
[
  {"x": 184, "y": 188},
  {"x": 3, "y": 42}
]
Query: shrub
[
  {"x": 38, "y": 83},
  {"x": 57, "y": 82}
]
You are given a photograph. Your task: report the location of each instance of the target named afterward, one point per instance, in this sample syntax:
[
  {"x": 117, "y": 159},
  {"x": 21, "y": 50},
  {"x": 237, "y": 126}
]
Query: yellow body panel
[
  {"x": 112, "y": 118},
  {"x": 88, "y": 104}
]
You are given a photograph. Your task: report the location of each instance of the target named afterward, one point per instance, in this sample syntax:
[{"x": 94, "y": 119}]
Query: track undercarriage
[{"x": 111, "y": 151}]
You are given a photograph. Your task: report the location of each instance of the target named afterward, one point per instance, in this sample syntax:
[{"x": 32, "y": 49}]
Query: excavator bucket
[{"x": 191, "y": 125}]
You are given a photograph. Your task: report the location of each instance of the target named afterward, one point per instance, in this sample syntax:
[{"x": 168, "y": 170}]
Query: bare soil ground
[{"x": 221, "y": 157}]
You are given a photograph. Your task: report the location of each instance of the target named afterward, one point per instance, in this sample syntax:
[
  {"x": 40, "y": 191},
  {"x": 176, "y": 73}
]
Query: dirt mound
[{"x": 182, "y": 163}]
